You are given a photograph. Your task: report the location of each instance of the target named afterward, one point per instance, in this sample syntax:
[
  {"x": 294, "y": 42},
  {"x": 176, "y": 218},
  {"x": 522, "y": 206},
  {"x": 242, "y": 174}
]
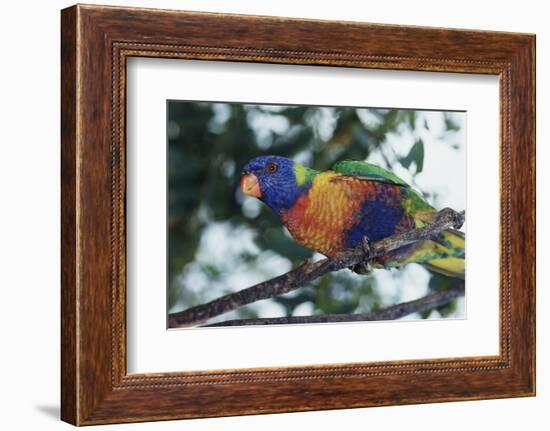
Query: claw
[
  {"x": 361, "y": 268},
  {"x": 365, "y": 266},
  {"x": 365, "y": 243}
]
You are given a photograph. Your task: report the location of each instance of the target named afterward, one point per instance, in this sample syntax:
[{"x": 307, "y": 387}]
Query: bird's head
[{"x": 275, "y": 180}]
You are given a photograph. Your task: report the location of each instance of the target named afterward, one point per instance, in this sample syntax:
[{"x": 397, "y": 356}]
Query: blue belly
[{"x": 378, "y": 220}]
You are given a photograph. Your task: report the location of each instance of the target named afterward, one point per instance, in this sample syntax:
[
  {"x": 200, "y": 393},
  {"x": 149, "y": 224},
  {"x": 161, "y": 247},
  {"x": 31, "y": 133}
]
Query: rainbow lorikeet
[{"x": 332, "y": 211}]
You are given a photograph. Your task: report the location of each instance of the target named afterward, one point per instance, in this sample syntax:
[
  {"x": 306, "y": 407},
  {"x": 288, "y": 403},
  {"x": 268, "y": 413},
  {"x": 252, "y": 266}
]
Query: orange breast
[{"x": 320, "y": 217}]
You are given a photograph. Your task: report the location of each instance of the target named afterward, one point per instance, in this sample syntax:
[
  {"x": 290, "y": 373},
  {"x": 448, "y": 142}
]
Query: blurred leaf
[
  {"x": 411, "y": 118},
  {"x": 450, "y": 124},
  {"x": 416, "y": 155},
  {"x": 425, "y": 314}
]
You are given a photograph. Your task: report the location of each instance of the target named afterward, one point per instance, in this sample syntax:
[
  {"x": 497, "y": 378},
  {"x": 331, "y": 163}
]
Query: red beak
[{"x": 250, "y": 185}]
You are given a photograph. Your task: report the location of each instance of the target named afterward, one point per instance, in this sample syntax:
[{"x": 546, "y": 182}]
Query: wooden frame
[{"x": 96, "y": 41}]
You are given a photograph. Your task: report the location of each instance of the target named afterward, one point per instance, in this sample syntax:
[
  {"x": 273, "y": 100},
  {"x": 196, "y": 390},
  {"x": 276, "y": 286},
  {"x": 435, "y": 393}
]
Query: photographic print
[{"x": 267, "y": 205}]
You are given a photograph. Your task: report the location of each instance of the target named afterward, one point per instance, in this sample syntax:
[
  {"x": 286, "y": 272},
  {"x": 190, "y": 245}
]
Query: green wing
[
  {"x": 368, "y": 171},
  {"x": 413, "y": 202}
]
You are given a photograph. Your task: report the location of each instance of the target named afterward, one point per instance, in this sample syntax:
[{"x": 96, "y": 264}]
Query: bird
[{"x": 336, "y": 210}]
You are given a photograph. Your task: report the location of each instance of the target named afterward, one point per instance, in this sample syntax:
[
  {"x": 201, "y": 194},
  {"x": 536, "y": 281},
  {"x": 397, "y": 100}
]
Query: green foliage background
[{"x": 220, "y": 240}]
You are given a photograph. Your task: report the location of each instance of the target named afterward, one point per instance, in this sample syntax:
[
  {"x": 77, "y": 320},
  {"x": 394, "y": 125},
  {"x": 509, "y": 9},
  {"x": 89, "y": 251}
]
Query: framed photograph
[{"x": 265, "y": 215}]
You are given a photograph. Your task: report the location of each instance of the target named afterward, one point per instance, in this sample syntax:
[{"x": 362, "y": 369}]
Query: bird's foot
[{"x": 365, "y": 266}]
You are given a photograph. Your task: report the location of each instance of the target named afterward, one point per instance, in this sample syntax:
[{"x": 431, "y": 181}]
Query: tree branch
[
  {"x": 309, "y": 271},
  {"x": 428, "y": 302}
]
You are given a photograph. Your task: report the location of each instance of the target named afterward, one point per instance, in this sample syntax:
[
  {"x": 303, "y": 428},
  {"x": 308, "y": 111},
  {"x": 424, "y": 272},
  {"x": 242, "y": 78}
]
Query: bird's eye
[{"x": 272, "y": 167}]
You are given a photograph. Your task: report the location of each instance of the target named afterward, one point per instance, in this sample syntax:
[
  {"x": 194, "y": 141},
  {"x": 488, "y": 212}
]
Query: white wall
[{"x": 29, "y": 214}]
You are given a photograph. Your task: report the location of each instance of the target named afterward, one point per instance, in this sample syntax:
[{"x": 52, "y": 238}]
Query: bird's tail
[
  {"x": 444, "y": 254},
  {"x": 451, "y": 259}
]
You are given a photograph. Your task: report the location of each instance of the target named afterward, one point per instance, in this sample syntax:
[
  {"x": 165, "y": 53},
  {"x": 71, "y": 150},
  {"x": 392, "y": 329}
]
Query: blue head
[{"x": 275, "y": 180}]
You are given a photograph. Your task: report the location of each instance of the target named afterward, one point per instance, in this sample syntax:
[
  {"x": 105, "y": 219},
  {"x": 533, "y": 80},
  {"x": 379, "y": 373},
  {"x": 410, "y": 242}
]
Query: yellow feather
[{"x": 451, "y": 266}]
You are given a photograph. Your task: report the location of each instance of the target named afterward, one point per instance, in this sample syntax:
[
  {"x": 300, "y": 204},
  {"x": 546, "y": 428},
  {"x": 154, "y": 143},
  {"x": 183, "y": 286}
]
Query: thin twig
[
  {"x": 309, "y": 271},
  {"x": 428, "y": 302}
]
